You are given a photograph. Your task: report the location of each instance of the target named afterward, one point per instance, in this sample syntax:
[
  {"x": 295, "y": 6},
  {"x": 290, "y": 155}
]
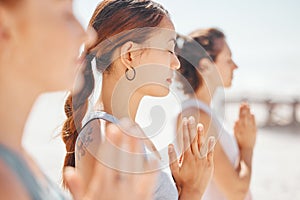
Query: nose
[
  {"x": 175, "y": 64},
  {"x": 235, "y": 66}
]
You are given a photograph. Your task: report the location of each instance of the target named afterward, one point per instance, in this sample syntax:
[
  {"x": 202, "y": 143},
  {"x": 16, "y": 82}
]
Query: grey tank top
[
  {"x": 165, "y": 188},
  {"x": 35, "y": 189}
]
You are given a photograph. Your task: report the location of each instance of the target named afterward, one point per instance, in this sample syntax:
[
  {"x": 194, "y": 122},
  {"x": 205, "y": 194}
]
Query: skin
[
  {"x": 225, "y": 65},
  {"x": 233, "y": 182},
  {"x": 192, "y": 185},
  {"x": 160, "y": 55},
  {"x": 32, "y": 61},
  {"x": 141, "y": 57}
]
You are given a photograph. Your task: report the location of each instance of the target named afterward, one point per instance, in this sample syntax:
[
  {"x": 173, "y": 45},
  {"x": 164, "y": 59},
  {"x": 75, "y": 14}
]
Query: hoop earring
[{"x": 128, "y": 77}]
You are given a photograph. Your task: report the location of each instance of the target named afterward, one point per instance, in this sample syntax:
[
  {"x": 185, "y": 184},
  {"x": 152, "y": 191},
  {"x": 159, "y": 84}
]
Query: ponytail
[{"x": 75, "y": 109}]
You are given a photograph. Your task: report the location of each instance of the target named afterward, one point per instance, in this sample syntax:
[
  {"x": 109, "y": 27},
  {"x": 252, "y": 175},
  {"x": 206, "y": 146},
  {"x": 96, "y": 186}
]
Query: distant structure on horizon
[{"x": 273, "y": 108}]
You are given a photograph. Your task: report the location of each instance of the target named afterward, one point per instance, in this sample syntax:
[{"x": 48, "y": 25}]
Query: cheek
[
  {"x": 157, "y": 57},
  {"x": 224, "y": 69},
  {"x": 57, "y": 59}
]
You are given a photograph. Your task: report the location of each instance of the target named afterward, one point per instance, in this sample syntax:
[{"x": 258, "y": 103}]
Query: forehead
[
  {"x": 225, "y": 50},
  {"x": 167, "y": 24},
  {"x": 163, "y": 35},
  {"x": 161, "y": 38}
]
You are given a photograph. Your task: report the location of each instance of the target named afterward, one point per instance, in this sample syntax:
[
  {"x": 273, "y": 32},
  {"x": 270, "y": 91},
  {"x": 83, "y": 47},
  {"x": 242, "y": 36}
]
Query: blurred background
[{"x": 263, "y": 36}]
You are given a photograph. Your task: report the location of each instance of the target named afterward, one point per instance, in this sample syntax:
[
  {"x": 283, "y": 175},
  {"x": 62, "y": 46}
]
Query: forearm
[
  {"x": 245, "y": 170},
  {"x": 246, "y": 155},
  {"x": 190, "y": 195}
]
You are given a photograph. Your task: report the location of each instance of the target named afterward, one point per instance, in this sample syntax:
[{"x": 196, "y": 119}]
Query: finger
[
  {"x": 137, "y": 155},
  {"x": 245, "y": 104},
  {"x": 186, "y": 137},
  {"x": 253, "y": 119},
  {"x": 210, "y": 158},
  {"x": 147, "y": 181},
  {"x": 211, "y": 146},
  {"x": 211, "y": 143},
  {"x": 181, "y": 159},
  {"x": 243, "y": 111},
  {"x": 74, "y": 183},
  {"x": 127, "y": 160},
  {"x": 236, "y": 125},
  {"x": 137, "y": 132},
  {"x": 200, "y": 135},
  {"x": 193, "y": 135},
  {"x": 173, "y": 162},
  {"x": 237, "y": 128},
  {"x": 180, "y": 138},
  {"x": 150, "y": 164},
  {"x": 113, "y": 148}
]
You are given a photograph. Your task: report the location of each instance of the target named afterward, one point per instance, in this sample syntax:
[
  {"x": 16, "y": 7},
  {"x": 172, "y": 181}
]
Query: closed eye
[{"x": 171, "y": 52}]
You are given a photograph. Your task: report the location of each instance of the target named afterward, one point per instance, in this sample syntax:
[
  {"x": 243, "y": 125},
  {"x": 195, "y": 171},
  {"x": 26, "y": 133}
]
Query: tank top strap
[
  {"x": 21, "y": 170},
  {"x": 101, "y": 115}
]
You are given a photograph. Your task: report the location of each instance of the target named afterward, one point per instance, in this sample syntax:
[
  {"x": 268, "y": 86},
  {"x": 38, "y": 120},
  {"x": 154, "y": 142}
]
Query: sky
[{"x": 263, "y": 36}]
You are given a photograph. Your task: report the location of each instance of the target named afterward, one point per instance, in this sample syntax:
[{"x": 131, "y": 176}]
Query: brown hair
[
  {"x": 189, "y": 55},
  {"x": 110, "y": 18}
]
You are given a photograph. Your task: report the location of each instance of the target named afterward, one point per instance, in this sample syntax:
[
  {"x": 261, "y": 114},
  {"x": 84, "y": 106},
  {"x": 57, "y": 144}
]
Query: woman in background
[
  {"x": 33, "y": 61},
  {"x": 200, "y": 77}
]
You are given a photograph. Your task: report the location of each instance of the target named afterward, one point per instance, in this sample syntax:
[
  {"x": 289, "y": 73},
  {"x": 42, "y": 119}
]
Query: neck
[
  {"x": 205, "y": 94},
  {"x": 16, "y": 101},
  {"x": 118, "y": 99}
]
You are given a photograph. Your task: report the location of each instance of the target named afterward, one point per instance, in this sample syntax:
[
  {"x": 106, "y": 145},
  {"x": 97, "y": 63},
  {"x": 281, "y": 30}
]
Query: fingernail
[
  {"x": 200, "y": 127},
  {"x": 185, "y": 121},
  {"x": 192, "y": 120},
  {"x": 170, "y": 148},
  {"x": 212, "y": 142}
]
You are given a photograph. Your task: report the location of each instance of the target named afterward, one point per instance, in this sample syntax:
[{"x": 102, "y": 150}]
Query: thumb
[
  {"x": 173, "y": 162},
  {"x": 211, "y": 146},
  {"x": 73, "y": 183}
]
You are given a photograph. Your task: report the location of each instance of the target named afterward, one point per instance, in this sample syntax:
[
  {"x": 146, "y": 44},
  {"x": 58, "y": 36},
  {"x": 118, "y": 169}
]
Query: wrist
[
  {"x": 246, "y": 150},
  {"x": 190, "y": 194},
  {"x": 246, "y": 155}
]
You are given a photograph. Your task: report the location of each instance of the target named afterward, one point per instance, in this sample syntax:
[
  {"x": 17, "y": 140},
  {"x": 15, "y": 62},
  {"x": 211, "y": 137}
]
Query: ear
[
  {"x": 126, "y": 54},
  {"x": 204, "y": 65},
  {"x": 4, "y": 23}
]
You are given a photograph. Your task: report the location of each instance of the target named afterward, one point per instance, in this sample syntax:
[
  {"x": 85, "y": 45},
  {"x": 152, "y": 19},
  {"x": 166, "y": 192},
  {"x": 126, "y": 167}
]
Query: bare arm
[
  {"x": 235, "y": 182},
  {"x": 10, "y": 186}
]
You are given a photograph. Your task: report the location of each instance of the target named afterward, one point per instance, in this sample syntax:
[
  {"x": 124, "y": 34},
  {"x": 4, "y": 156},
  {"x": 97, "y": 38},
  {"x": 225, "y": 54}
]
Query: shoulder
[
  {"x": 10, "y": 186},
  {"x": 87, "y": 143},
  {"x": 90, "y": 133},
  {"x": 199, "y": 115}
]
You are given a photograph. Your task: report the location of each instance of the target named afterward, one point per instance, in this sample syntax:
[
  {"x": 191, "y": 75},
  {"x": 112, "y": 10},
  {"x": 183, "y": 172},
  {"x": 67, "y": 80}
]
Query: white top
[{"x": 228, "y": 143}]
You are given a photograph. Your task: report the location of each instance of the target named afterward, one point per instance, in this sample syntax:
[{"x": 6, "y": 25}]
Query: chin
[
  {"x": 161, "y": 92},
  {"x": 228, "y": 85}
]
